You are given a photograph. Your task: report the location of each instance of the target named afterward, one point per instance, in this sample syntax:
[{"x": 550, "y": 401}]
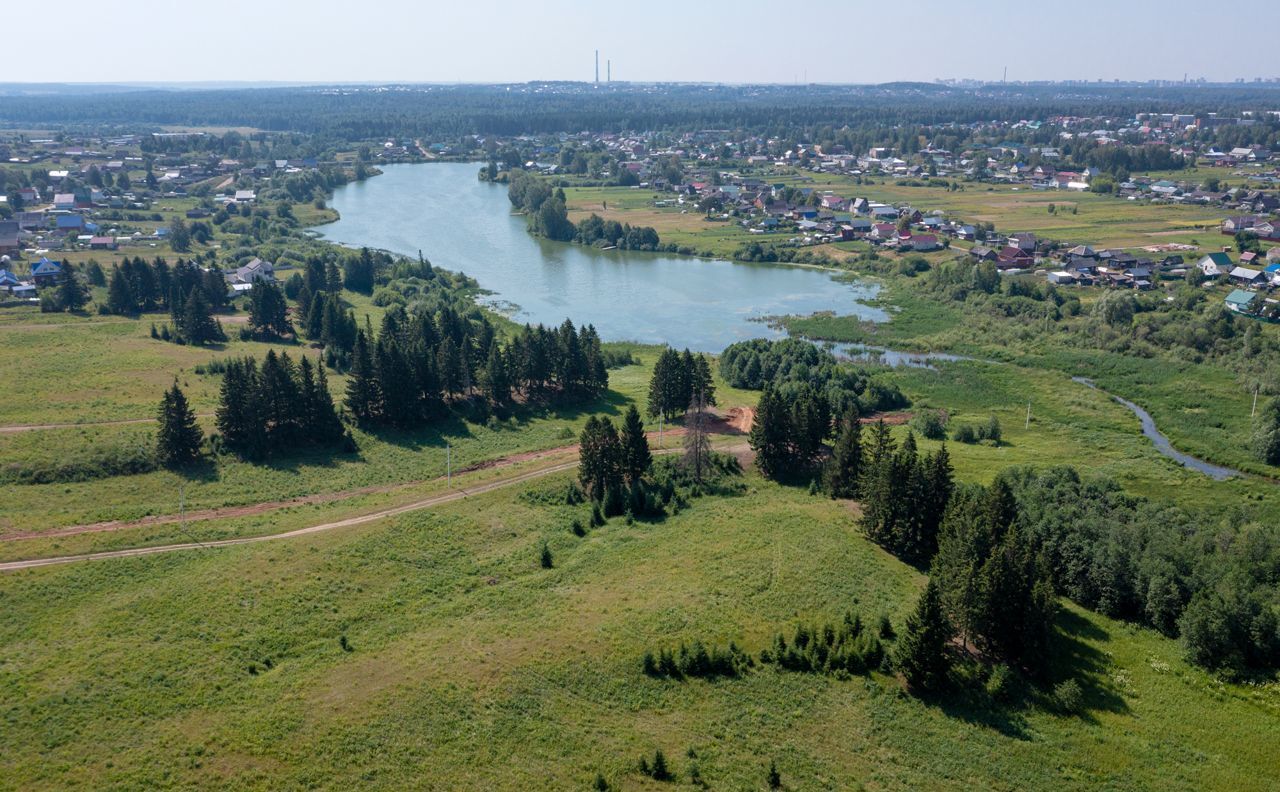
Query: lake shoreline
[{"x": 460, "y": 224}]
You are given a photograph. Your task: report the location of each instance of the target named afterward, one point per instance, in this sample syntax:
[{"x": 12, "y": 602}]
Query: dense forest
[{"x": 409, "y": 110}]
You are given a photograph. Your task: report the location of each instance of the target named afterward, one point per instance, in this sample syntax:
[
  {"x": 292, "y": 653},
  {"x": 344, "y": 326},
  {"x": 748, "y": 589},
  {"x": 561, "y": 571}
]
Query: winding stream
[
  {"x": 1161, "y": 442},
  {"x": 465, "y": 225}
]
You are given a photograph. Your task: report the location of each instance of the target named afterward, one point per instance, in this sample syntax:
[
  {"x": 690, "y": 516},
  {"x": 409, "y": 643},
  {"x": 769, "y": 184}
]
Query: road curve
[{"x": 426, "y": 503}]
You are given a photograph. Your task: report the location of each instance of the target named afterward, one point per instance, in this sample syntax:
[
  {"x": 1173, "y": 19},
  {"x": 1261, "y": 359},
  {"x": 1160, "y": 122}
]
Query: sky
[{"x": 731, "y": 41}]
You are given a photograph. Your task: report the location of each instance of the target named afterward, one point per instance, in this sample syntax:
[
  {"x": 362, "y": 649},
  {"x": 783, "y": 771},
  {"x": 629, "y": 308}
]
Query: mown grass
[{"x": 472, "y": 667}]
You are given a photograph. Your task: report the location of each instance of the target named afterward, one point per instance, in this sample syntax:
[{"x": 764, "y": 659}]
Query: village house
[
  {"x": 251, "y": 273},
  {"x": 1241, "y": 301},
  {"x": 1214, "y": 265},
  {"x": 1244, "y": 276},
  {"x": 1012, "y": 257},
  {"x": 45, "y": 272}
]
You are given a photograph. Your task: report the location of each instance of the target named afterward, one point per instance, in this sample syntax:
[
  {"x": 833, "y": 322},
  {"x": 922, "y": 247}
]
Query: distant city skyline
[{"x": 749, "y": 41}]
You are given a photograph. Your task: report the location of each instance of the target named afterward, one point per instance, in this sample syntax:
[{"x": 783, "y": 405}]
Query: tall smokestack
[
  {"x": 597, "y": 66},
  {"x": 608, "y": 71}
]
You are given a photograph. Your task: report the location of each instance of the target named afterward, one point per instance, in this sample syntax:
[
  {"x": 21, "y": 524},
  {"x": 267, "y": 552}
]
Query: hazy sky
[{"x": 848, "y": 41}]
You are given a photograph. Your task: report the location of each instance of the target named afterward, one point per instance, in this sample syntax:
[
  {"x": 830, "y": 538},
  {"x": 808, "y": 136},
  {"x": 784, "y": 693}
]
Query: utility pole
[
  {"x": 597, "y": 67},
  {"x": 660, "y": 417},
  {"x": 448, "y": 463},
  {"x": 1028, "y": 426},
  {"x": 1254, "y": 412}
]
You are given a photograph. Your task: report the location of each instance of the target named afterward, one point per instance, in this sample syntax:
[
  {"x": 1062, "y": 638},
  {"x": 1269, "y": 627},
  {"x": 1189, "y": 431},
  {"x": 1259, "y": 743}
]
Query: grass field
[
  {"x": 471, "y": 667},
  {"x": 1099, "y": 220},
  {"x": 431, "y": 650},
  {"x": 1204, "y": 408}
]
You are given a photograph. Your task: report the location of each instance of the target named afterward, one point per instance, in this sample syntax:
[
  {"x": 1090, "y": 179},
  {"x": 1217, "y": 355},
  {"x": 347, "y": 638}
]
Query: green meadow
[{"x": 432, "y": 651}]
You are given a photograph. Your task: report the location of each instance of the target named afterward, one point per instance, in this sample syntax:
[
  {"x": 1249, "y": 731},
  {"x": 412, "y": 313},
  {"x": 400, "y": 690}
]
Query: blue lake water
[{"x": 462, "y": 224}]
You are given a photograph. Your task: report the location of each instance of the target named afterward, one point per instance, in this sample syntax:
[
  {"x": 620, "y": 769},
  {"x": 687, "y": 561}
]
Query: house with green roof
[
  {"x": 1241, "y": 301},
  {"x": 1215, "y": 264}
]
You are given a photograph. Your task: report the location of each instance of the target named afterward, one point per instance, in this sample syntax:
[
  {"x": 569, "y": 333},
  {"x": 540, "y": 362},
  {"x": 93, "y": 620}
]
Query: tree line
[
  {"x": 549, "y": 217},
  {"x": 137, "y": 287},
  {"x": 677, "y": 379},
  {"x": 276, "y": 407},
  {"x": 792, "y": 364},
  {"x": 417, "y": 364}
]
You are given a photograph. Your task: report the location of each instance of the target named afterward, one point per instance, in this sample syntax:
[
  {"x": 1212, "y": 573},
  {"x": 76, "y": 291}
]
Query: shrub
[
  {"x": 886, "y": 628},
  {"x": 774, "y": 778},
  {"x": 991, "y": 431},
  {"x": 659, "y": 770},
  {"x": 1068, "y": 697},
  {"x": 965, "y": 433},
  {"x": 931, "y": 424},
  {"x": 545, "y": 557},
  {"x": 1004, "y": 684}
]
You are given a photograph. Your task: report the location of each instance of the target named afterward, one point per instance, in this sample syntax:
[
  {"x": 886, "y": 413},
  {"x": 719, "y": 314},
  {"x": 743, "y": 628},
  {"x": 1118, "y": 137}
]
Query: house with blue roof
[
  {"x": 69, "y": 222},
  {"x": 45, "y": 272}
]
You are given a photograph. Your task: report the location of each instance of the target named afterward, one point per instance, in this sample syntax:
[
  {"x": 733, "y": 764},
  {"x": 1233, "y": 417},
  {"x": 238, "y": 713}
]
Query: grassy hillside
[{"x": 472, "y": 667}]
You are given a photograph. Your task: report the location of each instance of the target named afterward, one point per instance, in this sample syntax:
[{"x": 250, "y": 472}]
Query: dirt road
[
  {"x": 436, "y": 500},
  {"x": 426, "y": 503},
  {"x": 16, "y": 428}
]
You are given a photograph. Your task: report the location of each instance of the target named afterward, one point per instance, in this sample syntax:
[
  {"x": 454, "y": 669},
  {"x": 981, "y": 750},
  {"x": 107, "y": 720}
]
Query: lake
[{"x": 462, "y": 224}]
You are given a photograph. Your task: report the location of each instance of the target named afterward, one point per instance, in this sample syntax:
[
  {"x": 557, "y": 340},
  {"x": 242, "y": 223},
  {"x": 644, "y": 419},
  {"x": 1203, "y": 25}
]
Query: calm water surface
[{"x": 462, "y": 224}]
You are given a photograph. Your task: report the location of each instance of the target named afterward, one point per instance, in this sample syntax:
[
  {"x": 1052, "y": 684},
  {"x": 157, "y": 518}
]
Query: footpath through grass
[{"x": 468, "y": 666}]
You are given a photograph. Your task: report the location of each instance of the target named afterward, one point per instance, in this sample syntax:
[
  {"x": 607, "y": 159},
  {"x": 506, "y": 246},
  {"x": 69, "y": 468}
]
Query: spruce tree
[
  {"x": 497, "y": 385},
  {"x": 844, "y": 468},
  {"x": 332, "y": 278},
  {"x": 179, "y": 437},
  {"x": 314, "y": 314},
  {"x": 198, "y": 326},
  {"x": 938, "y": 486},
  {"x": 72, "y": 294},
  {"x": 362, "y": 397},
  {"x": 120, "y": 299},
  {"x": 326, "y": 426},
  {"x": 921, "y": 653},
  {"x": 636, "y": 457},
  {"x": 877, "y": 487},
  {"x": 600, "y": 458},
  {"x": 702, "y": 381},
  {"x": 280, "y": 394},
  {"x": 770, "y": 434},
  {"x": 682, "y": 390},
  {"x": 774, "y": 778},
  {"x": 268, "y": 310}
]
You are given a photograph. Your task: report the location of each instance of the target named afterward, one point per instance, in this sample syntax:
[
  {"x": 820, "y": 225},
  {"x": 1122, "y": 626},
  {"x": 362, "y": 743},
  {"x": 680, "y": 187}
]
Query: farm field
[{"x": 462, "y": 654}]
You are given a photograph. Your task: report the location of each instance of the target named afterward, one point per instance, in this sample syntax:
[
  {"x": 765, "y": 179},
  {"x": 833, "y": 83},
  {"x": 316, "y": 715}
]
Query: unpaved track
[
  {"x": 252, "y": 509},
  {"x": 16, "y": 428},
  {"x": 426, "y": 503}
]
